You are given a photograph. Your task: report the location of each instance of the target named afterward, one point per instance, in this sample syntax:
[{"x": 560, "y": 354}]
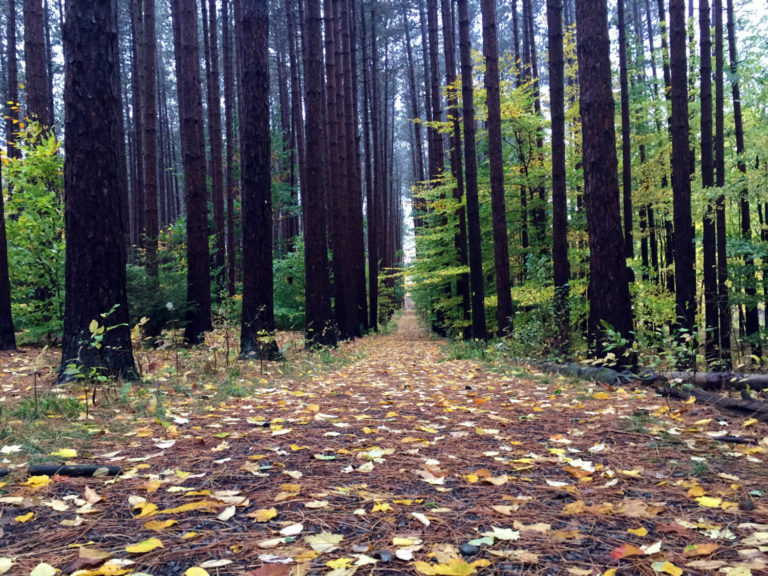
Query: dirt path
[{"x": 402, "y": 463}]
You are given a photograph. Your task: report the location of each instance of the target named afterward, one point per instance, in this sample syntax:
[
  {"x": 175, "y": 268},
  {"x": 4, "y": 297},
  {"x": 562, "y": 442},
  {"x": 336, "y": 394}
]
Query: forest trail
[{"x": 403, "y": 461}]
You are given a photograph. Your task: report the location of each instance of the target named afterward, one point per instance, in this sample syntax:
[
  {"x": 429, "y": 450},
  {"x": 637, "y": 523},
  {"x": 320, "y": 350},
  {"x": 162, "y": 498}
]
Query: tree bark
[
  {"x": 95, "y": 277},
  {"x": 214, "y": 137},
  {"x": 470, "y": 162},
  {"x": 711, "y": 312},
  {"x": 319, "y": 327},
  {"x": 609, "y": 297},
  {"x": 34, "y": 55},
  {"x": 149, "y": 107},
  {"x": 685, "y": 274},
  {"x": 372, "y": 168},
  {"x": 258, "y": 320},
  {"x": 198, "y": 314},
  {"x": 12, "y": 103},
  {"x": 229, "y": 130},
  {"x": 504, "y": 312},
  {"x": 752, "y": 318},
  {"x": 626, "y": 144},
  {"x": 560, "y": 262}
]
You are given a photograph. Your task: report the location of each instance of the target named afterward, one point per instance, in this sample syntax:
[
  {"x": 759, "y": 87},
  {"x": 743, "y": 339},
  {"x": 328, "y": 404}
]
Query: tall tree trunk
[
  {"x": 685, "y": 274},
  {"x": 214, "y": 137},
  {"x": 138, "y": 208},
  {"x": 7, "y": 331},
  {"x": 35, "y": 58},
  {"x": 610, "y": 301},
  {"x": 48, "y": 62},
  {"x": 229, "y": 130},
  {"x": 504, "y": 310},
  {"x": 356, "y": 241},
  {"x": 752, "y": 318},
  {"x": 709, "y": 245},
  {"x": 319, "y": 327},
  {"x": 12, "y": 96},
  {"x": 149, "y": 108},
  {"x": 470, "y": 162},
  {"x": 626, "y": 144},
  {"x": 560, "y": 262},
  {"x": 95, "y": 258},
  {"x": 258, "y": 321},
  {"x": 372, "y": 168},
  {"x": 436, "y": 159},
  {"x": 460, "y": 234},
  {"x": 296, "y": 97},
  {"x": 193, "y": 152},
  {"x": 414, "y": 104}
]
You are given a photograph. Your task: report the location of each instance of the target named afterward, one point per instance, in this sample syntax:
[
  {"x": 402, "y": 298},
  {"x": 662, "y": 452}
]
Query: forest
[
  {"x": 439, "y": 287},
  {"x": 483, "y": 160}
]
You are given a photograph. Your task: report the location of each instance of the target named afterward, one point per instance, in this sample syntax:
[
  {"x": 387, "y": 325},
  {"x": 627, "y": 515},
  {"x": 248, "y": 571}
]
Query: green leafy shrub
[
  {"x": 289, "y": 288},
  {"x": 35, "y": 229}
]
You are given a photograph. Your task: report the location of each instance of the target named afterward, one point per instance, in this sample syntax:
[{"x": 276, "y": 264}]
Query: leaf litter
[{"x": 399, "y": 462}]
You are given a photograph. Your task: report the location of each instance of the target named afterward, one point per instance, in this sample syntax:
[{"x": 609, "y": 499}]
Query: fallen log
[
  {"x": 74, "y": 470},
  {"x": 659, "y": 382},
  {"x": 720, "y": 380}
]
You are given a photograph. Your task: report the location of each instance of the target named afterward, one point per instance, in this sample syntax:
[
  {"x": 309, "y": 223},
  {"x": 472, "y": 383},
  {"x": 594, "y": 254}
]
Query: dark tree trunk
[
  {"x": 320, "y": 330},
  {"x": 516, "y": 42},
  {"x": 752, "y": 318},
  {"x": 136, "y": 12},
  {"x": 193, "y": 151},
  {"x": 356, "y": 235},
  {"x": 504, "y": 310},
  {"x": 214, "y": 138},
  {"x": 229, "y": 130},
  {"x": 95, "y": 279},
  {"x": 436, "y": 157},
  {"x": 12, "y": 96},
  {"x": 685, "y": 274},
  {"x": 711, "y": 312},
  {"x": 460, "y": 235},
  {"x": 7, "y": 332},
  {"x": 297, "y": 123},
  {"x": 626, "y": 144},
  {"x": 35, "y": 58},
  {"x": 48, "y": 62},
  {"x": 372, "y": 168},
  {"x": 470, "y": 163},
  {"x": 608, "y": 282},
  {"x": 414, "y": 104},
  {"x": 149, "y": 108},
  {"x": 258, "y": 321},
  {"x": 722, "y": 256},
  {"x": 560, "y": 262}
]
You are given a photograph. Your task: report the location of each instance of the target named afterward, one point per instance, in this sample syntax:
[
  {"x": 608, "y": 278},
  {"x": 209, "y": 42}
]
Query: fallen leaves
[{"x": 144, "y": 546}]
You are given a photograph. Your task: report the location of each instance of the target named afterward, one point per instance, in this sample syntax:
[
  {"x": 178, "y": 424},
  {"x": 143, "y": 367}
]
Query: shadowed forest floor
[{"x": 396, "y": 461}]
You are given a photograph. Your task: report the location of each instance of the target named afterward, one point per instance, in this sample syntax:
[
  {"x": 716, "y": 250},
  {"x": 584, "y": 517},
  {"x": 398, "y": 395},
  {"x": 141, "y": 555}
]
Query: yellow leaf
[
  {"x": 36, "y": 482},
  {"x": 750, "y": 422},
  {"x": 25, "y": 518},
  {"x": 454, "y": 567},
  {"x": 188, "y": 535},
  {"x": 471, "y": 478},
  {"x": 398, "y": 541},
  {"x": 159, "y": 525},
  {"x": 668, "y": 568},
  {"x": 189, "y": 506},
  {"x": 381, "y": 507},
  {"x": 611, "y": 572},
  {"x": 66, "y": 453},
  {"x": 696, "y": 491},
  {"x": 339, "y": 563},
  {"x": 638, "y": 531},
  {"x": 296, "y": 447},
  {"x": 196, "y": 571},
  {"x": 263, "y": 515},
  {"x": 709, "y": 502},
  {"x": 146, "y": 509},
  {"x": 144, "y": 546},
  {"x": 601, "y": 396}
]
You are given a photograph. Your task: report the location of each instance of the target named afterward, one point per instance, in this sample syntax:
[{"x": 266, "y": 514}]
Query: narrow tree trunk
[
  {"x": 12, "y": 103},
  {"x": 609, "y": 297},
  {"x": 752, "y": 319},
  {"x": 214, "y": 137},
  {"x": 711, "y": 312},
  {"x": 371, "y": 157},
  {"x": 460, "y": 234},
  {"x": 149, "y": 108},
  {"x": 138, "y": 207},
  {"x": 470, "y": 162},
  {"x": 504, "y": 310},
  {"x": 414, "y": 104},
  {"x": 95, "y": 258},
  {"x": 626, "y": 144},
  {"x": 48, "y": 62},
  {"x": 685, "y": 274},
  {"x": 722, "y": 256},
  {"x": 319, "y": 329},
  {"x": 229, "y": 130},
  {"x": 193, "y": 152},
  {"x": 559, "y": 194},
  {"x": 7, "y": 332},
  {"x": 35, "y": 58}
]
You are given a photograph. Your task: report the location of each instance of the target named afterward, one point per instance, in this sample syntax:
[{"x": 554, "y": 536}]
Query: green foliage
[
  {"x": 289, "y": 288},
  {"x": 161, "y": 300},
  {"x": 35, "y": 229}
]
